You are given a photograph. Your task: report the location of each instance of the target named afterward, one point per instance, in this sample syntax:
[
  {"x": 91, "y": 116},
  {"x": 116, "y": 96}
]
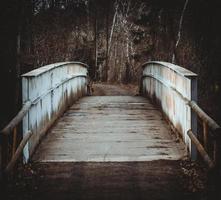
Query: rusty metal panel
[
  {"x": 51, "y": 89},
  {"x": 171, "y": 87}
]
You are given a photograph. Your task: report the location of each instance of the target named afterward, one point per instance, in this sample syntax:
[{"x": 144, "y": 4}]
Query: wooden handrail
[
  {"x": 210, "y": 127},
  {"x": 201, "y": 150},
  {"x": 17, "y": 119},
  {"x": 205, "y": 118},
  {"x": 18, "y": 152},
  {"x": 30, "y": 100},
  {"x": 216, "y": 129},
  {"x": 215, "y": 134}
]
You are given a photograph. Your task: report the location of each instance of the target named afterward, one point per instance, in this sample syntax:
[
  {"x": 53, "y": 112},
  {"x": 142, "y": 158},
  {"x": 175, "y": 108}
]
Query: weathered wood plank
[{"x": 110, "y": 128}]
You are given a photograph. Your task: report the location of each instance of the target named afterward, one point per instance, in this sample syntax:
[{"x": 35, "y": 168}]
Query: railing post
[
  {"x": 193, "y": 115},
  {"x": 14, "y": 142},
  {"x": 205, "y": 135},
  {"x": 4, "y": 152},
  {"x": 217, "y": 152},
  {"x": 3, "y": 162}
]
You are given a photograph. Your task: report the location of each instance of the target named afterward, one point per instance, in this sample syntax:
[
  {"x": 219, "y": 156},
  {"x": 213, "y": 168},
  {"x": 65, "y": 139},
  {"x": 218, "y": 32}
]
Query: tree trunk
[
  {"x": 107, "y": 41},
  {"x": 112, "y": 29},
  {"x": 95, "y": 46},
  {"x": 179, "y": 31}
]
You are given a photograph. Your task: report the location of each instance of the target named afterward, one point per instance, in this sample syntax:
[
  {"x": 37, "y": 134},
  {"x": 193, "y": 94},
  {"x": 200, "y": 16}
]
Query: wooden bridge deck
[{"x": 110, "y": 128}]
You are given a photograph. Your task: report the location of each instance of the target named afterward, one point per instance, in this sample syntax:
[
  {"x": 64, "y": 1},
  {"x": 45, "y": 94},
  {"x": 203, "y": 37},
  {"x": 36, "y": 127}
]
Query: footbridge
[{"x": 60, "y": 122}]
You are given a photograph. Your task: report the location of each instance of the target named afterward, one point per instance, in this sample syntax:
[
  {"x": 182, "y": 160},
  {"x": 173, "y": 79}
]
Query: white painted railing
[
  {"x": 50, "y": 90},
  {"x": 173, "y": 87}
]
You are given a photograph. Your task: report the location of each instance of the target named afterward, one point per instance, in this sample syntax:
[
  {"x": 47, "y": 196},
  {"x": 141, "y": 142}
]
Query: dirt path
[
  {"x": 101, "y": 89},
  {"x": 154, "y": 180}
]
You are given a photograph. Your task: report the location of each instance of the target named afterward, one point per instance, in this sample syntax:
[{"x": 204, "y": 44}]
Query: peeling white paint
[
  {"x": 172, "y": 87},
  {"x": 51, "y": 89}
]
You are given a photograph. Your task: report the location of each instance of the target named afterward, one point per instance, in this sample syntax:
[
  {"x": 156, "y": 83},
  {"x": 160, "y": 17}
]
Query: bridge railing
[
  {"x": 174, "y": 89},
  {"x": 46, "y": 94},
  {"x": 210, "y": 130}
]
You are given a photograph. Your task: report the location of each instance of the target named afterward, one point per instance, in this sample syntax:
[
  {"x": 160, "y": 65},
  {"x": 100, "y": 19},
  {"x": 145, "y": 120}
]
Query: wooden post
[
  {"x": 217, "y": 156},
  {"x": 201, "y": 150},
  {"x": 215, "y": 152},
  {"x": 193, "y": 115},
  {"x": 95, "y": 45},
  {"x": 3, "y": 163},
  {"x": 18, "y": 152},
  {"x": 205, "y": 135},
  {"x": 14, "y": 141},
  {"x": 4, "y": 150}
]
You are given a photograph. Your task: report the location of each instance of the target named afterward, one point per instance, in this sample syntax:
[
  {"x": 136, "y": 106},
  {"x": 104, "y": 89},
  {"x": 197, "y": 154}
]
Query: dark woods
[{"x": 114, "y": 38}]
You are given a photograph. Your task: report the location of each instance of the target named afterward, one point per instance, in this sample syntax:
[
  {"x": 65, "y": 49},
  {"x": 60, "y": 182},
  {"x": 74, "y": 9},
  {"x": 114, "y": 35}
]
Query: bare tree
[{"x": 179, "y": 31}]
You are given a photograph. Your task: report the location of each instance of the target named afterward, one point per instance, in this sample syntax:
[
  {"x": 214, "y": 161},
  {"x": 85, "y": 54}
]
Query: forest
[{"x": 114, "y": 37}]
